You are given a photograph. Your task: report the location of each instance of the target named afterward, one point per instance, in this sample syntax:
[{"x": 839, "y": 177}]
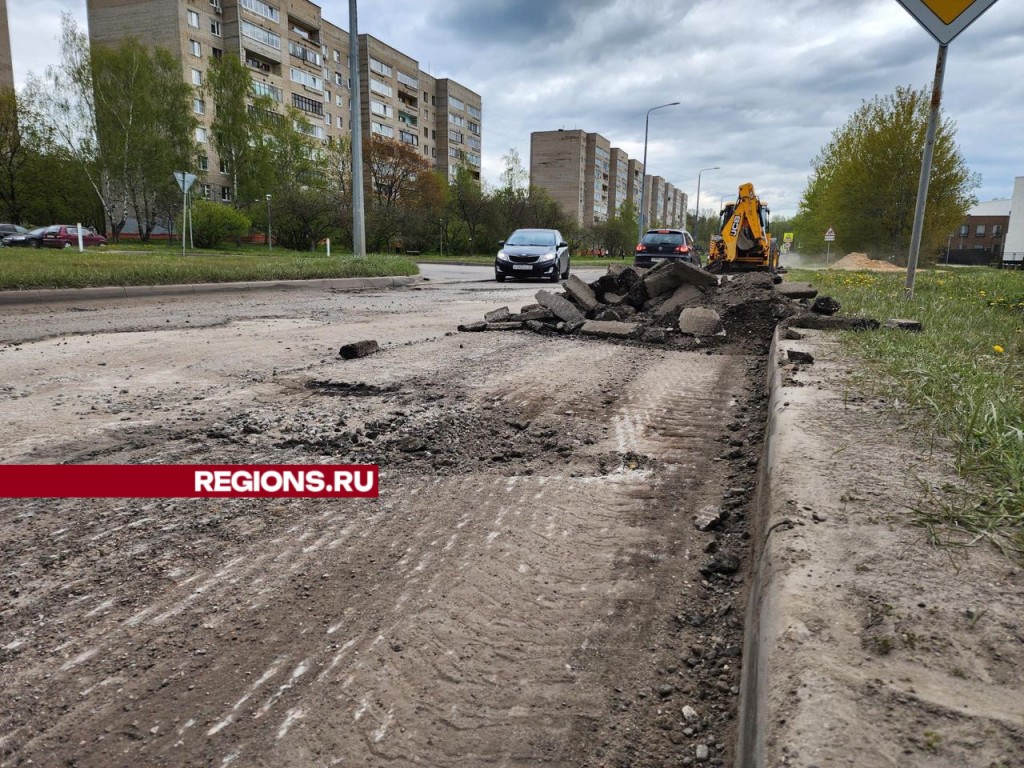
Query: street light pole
[
  {"x": 270, "y": 236},
  {"x": 696, "y": 218},
  {"x": 643, "y": 181}
]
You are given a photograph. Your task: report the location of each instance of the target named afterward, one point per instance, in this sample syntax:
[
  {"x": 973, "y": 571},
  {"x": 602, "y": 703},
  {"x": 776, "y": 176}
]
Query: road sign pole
[
  {"x": 828, "y": 252},
  {"x": 926, "y": 168}
]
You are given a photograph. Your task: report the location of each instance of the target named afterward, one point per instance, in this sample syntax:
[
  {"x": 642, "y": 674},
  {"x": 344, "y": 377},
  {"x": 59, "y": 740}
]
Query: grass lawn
[
  {"x": 963, "y": 379},
  {"x": 28, "y": 268}
]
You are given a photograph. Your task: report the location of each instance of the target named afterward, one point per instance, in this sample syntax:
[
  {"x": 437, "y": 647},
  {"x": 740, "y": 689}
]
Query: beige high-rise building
[
  {"x": 6, "y": 62},
  {"x": 301, "y": 60},
  {"x": 590, "y": 179}
]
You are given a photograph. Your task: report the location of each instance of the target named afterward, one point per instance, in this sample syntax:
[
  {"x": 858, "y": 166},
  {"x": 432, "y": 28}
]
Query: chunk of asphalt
[
  {"x": 825, "y": 305},
  {"x": 538, "y": 327},
  {"x": 473, "y": 327},
  {"x": 700, "y": 321},
  {"x": 615, "y": 314},
  {"x": 535, "y": 314},
  {"x": 498, "y": 315},
  {"x": 667, "y": 276},
  {"x": 581, "y": 292},
  {"x": 898, "y": 324},
  {"x": 614, "y": 299},
  {"x": 831, "y": 323},
  {"x": 684, "y": 296},
  {"x": 709, "y": 517},
  {"x": 796, "y": 290},
  {"x": 508, "y": 325},
  {"x": 359, "y": 349},
  {"x": 563, "y": 308},
  {"x": 609, "y": 328},
  {"x": 796, "y": 356}
]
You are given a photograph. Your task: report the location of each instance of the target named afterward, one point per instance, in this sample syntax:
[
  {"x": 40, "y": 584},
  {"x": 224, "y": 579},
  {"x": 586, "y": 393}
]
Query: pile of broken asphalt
[{"x": 675, "y": 305}]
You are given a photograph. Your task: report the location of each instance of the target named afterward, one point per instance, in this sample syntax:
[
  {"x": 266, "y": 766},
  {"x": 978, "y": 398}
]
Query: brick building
[{"x": 980, "y": 238}]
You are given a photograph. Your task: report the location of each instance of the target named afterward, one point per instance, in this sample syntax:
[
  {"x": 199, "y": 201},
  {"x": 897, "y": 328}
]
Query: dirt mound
[{"x": 858, "y": 261}]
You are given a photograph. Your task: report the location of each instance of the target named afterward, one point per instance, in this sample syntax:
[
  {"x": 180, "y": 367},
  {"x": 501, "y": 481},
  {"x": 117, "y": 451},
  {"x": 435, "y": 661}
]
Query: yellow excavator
[{"x": 744, "y": 241}]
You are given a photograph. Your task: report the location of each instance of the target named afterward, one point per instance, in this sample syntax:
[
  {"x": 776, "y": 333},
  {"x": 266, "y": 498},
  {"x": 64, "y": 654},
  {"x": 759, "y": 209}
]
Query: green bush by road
[
  {"x": 961, "y": 380},
  {"x": 28, "y": 268}
]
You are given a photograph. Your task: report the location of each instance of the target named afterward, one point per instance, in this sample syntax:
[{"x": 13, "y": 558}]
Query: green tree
[
  {"x": 213, "y": 223},
  {"x": 145, "y": 125},
  {"x": 864, "y": 181},
  {"x": 14, "y": 156}
]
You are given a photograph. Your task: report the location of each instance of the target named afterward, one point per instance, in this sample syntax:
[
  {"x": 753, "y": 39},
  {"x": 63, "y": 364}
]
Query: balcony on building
[
  {"x": 307, "y": 30},
  {"x": 261, "y": 63}
]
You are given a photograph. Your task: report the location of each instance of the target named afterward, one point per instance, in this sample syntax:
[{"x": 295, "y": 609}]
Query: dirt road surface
[{"x": 529, "y": 589}]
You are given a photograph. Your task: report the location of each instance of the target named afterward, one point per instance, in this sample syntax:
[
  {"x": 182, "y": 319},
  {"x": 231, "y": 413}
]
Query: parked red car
[{"x": 66, "y": 236}]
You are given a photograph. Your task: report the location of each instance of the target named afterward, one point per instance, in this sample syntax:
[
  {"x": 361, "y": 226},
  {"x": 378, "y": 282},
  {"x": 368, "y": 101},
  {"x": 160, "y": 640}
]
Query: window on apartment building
[
  {"x": 214, "y": 27},
  {"x": 337, "y": 56},
  {"x": 380, "y": 67},
  {"x": 433, "y": 152},
  {"x": 308, "y": 80},
  {"x": 197, "y": 77},
  {"x": 964, "y": 230},
  {"x": 979, "y": 231},
  {"x": 382, "y": 88},
  {"x": 261, "y": 35},
  {"x": 426, "y": 150},
  {"x": 266, "y": 89},
  {"x": 433, "y": 134},
  {"x": 201, "y": 134},
  {"x": 225, "y": 194},
  {"x": 262, "y": 9},
  {"x": 199, "y": 106},
  {"x": 474, "y": 111},
  {"x": 997, "y": 230},
  {"x": 382, "y": 130},
  {"x": 216, "y": 53},
  {"x": 380, "y": 108},
  {"x": 339, "y": 100},
  {"x": 204, "y": 163},
  {"x": 341, "y": 122},
  {"x": 206, "y": 191},
  {"x": 458, "y": 120},
  {"x": 193, "y": 19},
  {"x": 327, "y": 119},
  {"x": 408, "y": 80},
  {"x": 457, "y": 103},
  {"x": 195, "y": 48},
  {"x": 223, "y": 165},
  {"x": 455, "y": 136}
]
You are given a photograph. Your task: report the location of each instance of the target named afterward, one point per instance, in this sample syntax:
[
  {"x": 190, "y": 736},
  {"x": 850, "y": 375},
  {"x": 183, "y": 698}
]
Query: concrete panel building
[
  {"x": 590, "y": 179},
  {"x": 6, "y": 62},
  {"x": 299, "y": 59}
]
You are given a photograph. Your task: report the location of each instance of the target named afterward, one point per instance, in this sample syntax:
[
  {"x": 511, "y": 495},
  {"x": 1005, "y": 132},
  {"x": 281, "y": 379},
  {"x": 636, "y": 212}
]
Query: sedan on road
[
  {"x": 66, "y": 236},
  {"x": 660, "y": 244},
  {"x": 32, "y": 238},
  {"x": 539, "y": 253}
]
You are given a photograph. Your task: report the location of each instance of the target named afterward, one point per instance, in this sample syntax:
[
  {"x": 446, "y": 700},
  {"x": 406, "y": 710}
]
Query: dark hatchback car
[
  {"x": 66, "y": 236},
  {"x": 660, "y": 244},
  {"x": 541, "y": 253},
  {"x": 30, "y": 239}
]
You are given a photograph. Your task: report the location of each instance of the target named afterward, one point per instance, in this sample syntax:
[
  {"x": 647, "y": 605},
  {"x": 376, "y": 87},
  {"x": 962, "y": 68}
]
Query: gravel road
[{"x": 530, "y": 587}]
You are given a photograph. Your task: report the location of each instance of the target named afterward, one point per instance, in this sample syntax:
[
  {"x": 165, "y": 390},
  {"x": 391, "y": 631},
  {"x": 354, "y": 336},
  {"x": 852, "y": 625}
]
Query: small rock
[
  {"x": 825, "y": 305},
  {"x": 359, "y": 349},
  {"x": 690, "y": 714},
  {"x": 473, "y": 327},
  {"x": 708, "y": 517},
  {"x": 702, "y": 752},
  {"x": 498, "y": 315},
  {"x": 915, "y": 326},
  {"x": 796, "y": 356}
]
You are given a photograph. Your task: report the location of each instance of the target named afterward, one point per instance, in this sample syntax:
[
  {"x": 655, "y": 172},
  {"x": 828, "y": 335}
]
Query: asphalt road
[{"x": 522, "y": 593}]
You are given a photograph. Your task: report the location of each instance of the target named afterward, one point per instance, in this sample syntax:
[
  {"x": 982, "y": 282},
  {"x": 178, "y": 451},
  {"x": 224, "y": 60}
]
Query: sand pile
[{"x": 854, "y": 261}]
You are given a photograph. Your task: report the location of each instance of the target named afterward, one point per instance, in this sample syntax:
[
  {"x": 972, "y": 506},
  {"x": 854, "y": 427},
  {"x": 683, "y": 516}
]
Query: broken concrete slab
[
  {"x": 709, "y": 517},
  {"x": 538, "y": 327},
  {"x": 700, "y": 321},
  {"x": 359, "y": 349},
  {"x": 614, "y": 299},
  {"x": 681, "y": 272},
  {"x": 582, "y": 293},
  {"x": 797, "y": 290},
  {"x": 473, "y": 327},
  {"x": 563, "y": 308},
  {"x": 895, "y": 323},
  {"x": 616, "y": 314},
  {"x": 609, "y": 328},
  {"x": 498, "y": 315}
]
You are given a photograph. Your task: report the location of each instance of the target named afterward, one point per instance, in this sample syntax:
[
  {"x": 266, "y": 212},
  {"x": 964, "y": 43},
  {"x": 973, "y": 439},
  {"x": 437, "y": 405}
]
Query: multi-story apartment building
[
  {"x": 590, "y": 179},
  {"x": 6, "y": 63},
  {"x": 300, "y": 60}
]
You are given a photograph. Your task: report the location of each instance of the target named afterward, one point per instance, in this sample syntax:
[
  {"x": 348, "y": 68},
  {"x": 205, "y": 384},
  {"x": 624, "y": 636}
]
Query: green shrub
[{"x": 213, "y": 223}]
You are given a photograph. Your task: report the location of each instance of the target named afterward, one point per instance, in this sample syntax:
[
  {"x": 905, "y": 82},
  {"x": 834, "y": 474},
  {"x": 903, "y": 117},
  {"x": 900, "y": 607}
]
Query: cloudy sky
[{"x": 761, "y": 84}]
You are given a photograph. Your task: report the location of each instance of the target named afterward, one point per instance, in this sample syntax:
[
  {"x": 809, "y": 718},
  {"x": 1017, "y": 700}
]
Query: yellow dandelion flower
[{"x": 997, "y": 349}]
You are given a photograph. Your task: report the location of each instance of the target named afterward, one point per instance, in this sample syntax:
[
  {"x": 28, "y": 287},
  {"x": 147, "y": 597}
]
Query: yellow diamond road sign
[{"x": 945, "y": 19}]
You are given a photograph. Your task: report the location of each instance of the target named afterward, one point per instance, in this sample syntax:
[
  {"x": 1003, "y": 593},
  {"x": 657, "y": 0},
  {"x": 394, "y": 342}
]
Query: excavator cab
[{"x": 744, "y": 238}]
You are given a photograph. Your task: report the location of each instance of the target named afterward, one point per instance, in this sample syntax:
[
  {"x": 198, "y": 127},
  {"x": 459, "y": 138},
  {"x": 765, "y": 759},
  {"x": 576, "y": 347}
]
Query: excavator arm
[{"x": 745, "y": 238}]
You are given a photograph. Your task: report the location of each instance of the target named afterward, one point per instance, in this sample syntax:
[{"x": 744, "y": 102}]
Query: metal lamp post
[
  {"x": 643, "y": 182},
  {"x": 270, "y": 237},
  {"x": 696, "y": 220}
]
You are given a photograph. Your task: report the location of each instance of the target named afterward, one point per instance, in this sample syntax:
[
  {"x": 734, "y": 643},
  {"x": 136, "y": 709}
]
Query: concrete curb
[{"x": 42, "y": 296}]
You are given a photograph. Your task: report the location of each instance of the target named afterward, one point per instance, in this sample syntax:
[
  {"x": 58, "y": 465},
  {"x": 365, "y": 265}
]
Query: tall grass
[
  {"x": 963, "y": 378},
  {"x": 27, "y": 268}
]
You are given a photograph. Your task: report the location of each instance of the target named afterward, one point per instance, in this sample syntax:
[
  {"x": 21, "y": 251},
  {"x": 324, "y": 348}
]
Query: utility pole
[{"x": 358, "y": 211}]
